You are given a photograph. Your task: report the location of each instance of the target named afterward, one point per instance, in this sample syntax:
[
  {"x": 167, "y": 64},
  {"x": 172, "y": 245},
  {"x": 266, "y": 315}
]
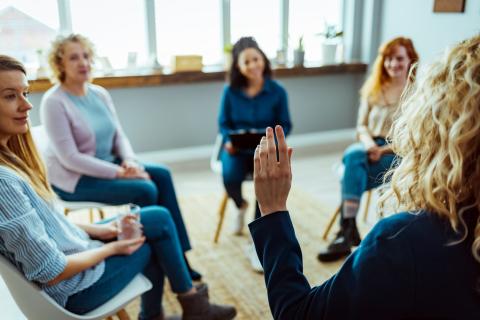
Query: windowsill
[{"x": 130, "y": 81}]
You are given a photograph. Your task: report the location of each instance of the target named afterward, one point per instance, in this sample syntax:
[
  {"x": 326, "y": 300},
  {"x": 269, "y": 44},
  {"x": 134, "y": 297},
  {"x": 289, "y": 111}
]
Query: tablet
[{"x": 245, "y": 140}]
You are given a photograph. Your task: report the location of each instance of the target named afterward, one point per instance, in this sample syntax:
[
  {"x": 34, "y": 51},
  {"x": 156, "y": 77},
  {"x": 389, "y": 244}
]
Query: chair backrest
[
  {"x": 40, "y": 138},
  {"x": 33, "y": 302},
  {"x": 215, "y": 163},
  {"x": 36, "y": 304}
]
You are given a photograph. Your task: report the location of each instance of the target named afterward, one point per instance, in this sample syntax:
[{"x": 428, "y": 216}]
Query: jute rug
[{"x": 224, "y": 265}]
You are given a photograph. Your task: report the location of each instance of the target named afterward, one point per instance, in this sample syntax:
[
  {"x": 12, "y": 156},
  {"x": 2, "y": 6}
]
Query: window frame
[{"x": 351, "y": 18}]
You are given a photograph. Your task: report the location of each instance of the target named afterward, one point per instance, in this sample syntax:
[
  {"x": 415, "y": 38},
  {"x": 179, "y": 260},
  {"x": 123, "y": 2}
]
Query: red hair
[{"x": 379, "y": 77}]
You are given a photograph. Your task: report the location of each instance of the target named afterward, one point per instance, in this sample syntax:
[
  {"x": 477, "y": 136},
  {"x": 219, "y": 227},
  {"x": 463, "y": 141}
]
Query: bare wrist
[
  {"x": 110, "y": 249},
  {"x": 269, "y": 210},
  {"x": 120, "y": 172}
]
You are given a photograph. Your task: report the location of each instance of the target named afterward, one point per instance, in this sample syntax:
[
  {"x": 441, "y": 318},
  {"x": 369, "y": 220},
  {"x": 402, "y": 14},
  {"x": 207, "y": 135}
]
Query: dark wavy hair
[{"x": 237, "y": 79}]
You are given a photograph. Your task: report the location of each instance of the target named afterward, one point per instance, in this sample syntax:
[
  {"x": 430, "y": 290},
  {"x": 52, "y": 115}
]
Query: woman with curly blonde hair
[
  {"x": 422, "y": 263},
  {"x": 437, "y": 138},
  {"x": 366, "y": 161}
]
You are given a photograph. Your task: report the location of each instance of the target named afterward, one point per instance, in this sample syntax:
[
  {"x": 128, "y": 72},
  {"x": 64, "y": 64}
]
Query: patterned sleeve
[{"x": 24, "y": 236}]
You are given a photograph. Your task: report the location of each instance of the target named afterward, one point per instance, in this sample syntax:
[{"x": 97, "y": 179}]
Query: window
[
  {"x": 27, "y": 29},
  {"x": 116, "y": 28},
  {"x": 260, "y": 19},
  {"x": 309, "y": 17},
  {"x": 189, "y": 27}
]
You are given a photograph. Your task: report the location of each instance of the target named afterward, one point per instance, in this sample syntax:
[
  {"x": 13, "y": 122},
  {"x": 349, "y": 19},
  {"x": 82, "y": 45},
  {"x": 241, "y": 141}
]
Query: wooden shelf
[{"x": 130, "y": 81}]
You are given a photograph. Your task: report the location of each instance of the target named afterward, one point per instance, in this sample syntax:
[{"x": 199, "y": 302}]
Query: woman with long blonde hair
[
  {"x": 366, "y": 161},
  {"x": 422, "y": 263},
  {"x": 80, "y": 266}
]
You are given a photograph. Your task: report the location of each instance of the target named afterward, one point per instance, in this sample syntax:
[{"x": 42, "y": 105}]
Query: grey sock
[{"x": 350, "y": 209}]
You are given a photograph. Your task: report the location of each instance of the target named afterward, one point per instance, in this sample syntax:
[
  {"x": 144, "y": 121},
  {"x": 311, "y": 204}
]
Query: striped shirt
[{"x": 36, "y": 238}]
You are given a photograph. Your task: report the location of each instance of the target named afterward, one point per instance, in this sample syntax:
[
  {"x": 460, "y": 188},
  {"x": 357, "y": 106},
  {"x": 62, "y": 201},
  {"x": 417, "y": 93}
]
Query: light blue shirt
[
  {"x": 37, "y": 239},
  {"x": 100, "y": 119}
]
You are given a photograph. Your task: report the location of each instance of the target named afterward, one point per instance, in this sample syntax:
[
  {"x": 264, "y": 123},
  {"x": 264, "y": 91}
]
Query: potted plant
[
  {"x": 299, "y": 53},
  {"x": 331, "y": 37},
  {"x": 227, "y": 56}
]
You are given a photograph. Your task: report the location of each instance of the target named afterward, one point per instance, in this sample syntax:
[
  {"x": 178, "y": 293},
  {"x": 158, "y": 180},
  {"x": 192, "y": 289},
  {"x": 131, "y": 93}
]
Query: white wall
[
  {"x": 431, "y": 32},
  {"x": 176, "y": 116}
]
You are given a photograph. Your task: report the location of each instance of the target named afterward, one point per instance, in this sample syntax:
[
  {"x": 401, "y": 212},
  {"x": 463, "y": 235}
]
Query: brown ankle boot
[{"x": 197, "y": 307}]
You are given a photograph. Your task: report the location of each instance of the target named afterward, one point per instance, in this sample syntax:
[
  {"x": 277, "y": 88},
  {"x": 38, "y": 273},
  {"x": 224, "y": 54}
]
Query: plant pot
[
  {"x": 298, "y": 58},
  {"x": 227, "y": 60},
  {"x": 329, "y": 52}
]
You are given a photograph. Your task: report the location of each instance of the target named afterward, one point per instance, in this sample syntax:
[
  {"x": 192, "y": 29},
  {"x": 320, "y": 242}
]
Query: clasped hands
[
  {"x": 272, "y": 177},
  {"x": 376, "y": 152},
  {"x": 132, "y": 170}
]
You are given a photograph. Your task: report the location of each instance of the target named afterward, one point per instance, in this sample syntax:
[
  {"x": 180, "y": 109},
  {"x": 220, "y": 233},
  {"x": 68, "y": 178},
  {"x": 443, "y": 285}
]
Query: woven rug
[{"x": 224, "y": 265}]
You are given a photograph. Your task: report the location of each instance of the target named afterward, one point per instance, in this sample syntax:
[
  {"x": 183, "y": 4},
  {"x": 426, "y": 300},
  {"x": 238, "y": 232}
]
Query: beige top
[{"x": 375, "y": 120}]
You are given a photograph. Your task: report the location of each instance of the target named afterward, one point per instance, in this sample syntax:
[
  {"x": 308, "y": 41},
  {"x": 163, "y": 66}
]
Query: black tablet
[{"x": 245, "y": 140}]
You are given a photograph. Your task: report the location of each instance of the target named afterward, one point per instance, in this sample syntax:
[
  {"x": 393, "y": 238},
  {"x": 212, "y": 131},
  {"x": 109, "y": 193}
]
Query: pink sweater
[{"x": 71, "y": 149}]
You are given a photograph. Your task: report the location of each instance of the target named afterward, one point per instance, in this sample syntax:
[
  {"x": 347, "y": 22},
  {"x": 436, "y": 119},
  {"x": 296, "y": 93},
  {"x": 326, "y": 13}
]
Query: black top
[{"x": 406, "y": 268}]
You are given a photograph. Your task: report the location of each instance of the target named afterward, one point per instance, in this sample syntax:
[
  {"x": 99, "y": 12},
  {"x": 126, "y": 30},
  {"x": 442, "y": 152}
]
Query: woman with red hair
[{"x": 366, "y": 161}]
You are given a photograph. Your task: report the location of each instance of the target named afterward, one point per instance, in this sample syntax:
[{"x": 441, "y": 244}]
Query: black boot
[
  {"x": 346, "y": 238},
  {"x": 195, "y": 275}
]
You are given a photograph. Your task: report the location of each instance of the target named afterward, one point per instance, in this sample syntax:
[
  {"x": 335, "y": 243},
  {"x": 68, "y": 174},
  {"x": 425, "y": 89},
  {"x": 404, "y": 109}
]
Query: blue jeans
[
  {"x": 360, "y": 174},
  {"x": 157, "y": 191},
  {"x": 160, "y": 255},
  {"x": 235, "y": 169}
]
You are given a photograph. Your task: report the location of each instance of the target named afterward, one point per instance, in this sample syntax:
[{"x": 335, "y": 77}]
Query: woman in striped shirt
[{"x": 73, "y": 264}]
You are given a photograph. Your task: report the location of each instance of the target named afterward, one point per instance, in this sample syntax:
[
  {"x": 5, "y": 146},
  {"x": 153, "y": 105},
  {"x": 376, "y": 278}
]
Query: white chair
[
  {"x": 41, "y": 141},
  {"x": 36, "y": 304}
]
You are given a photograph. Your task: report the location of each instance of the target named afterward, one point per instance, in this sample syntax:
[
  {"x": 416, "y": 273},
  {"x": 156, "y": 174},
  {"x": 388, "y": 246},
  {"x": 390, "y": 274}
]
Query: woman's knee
[
  {"x": 231, "y": 179},
  {"x": 355, "y": 152},
  {"x": 145, "y": 193},
  {"x": 156, "y": 221}
]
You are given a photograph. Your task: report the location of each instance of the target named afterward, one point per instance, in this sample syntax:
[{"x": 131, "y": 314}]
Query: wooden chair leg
[
  {"x": 90, "y": 214},
  {"x": 66, "y": 211},
  {"x": 367, "y": 205},
  {"x": 101, "y": 213},
  {"x": 331, "y": 222},
  {"x": 123, "y": 315},
  {"x": 108, "y": 318},
  {"x": 221, "y": 216}
]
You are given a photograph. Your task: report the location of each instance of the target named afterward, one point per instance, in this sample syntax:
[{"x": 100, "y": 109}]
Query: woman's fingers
[
  {"x": 257, "y": 168},
  {"x": 272, "y": 149},
  {"x": 283, "y": 156},
  {"x": 263, "y": 155}
]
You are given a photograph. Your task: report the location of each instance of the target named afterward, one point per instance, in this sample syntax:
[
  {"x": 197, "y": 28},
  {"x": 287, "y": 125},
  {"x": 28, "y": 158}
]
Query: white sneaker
[
  {"x": 239, "y": 221},
  {"x": 253, "y": 258}
]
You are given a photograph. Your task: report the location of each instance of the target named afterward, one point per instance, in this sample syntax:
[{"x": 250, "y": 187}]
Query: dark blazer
[{"x": 406, "y": 268}]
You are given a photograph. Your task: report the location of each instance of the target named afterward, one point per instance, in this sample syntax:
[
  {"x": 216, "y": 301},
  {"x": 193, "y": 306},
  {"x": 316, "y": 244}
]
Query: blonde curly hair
[
  {"x": 55, "y": 56},
  {"x": 437, "y": 138}
]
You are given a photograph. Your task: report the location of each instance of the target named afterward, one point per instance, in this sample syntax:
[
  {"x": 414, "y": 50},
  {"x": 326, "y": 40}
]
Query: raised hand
[{"x": 272, "y": 177}]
